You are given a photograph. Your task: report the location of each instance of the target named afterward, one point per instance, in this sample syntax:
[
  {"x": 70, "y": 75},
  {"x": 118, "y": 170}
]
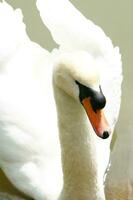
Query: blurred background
[{"x": 115, "y": 17}]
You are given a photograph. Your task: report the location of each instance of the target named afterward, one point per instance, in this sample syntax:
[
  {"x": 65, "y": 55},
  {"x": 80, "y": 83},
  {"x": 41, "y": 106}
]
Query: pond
[{"x": 115, "y": 17}]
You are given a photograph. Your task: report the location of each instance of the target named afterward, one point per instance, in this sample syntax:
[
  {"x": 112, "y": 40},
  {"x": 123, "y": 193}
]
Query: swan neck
[{"x": 78, "y": 151}]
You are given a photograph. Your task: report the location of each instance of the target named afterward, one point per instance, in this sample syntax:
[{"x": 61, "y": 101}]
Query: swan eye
[{"x": 97, "y": 99}]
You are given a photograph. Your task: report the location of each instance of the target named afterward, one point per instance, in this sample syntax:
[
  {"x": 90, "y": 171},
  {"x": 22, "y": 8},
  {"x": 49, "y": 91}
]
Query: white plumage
[{"x": 34, "y": 134}]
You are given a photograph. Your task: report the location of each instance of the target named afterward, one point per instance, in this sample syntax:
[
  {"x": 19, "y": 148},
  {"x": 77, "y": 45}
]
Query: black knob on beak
[{"x": 105, "y": 135}]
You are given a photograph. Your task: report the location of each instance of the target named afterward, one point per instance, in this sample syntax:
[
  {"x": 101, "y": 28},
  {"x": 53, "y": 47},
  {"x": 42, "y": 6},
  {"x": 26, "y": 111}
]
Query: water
[{"x": 115, "y": 17}]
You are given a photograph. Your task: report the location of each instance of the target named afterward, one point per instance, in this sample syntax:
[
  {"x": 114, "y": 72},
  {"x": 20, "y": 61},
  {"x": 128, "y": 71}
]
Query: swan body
[{"x": 48, "y": 147}]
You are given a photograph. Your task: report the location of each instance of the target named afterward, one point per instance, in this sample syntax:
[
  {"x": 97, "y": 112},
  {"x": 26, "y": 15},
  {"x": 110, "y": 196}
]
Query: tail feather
[{"x": 12, "y": 30}]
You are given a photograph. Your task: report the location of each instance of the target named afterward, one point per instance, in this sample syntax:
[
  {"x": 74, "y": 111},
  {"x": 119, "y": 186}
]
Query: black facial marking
[{"x": 97, "y": 99}]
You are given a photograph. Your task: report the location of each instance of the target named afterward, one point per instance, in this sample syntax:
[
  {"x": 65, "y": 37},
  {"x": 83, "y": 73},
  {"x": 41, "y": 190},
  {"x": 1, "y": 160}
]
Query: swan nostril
[{"x": 105, "y": 134}]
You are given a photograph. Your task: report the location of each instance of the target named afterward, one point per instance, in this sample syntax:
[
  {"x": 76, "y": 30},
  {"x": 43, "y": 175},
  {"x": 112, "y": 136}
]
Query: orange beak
[{"x": 97, "y": 119}]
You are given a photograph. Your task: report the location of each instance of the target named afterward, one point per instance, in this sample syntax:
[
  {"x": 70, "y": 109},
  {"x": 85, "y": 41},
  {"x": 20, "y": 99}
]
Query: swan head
[{"x": 77, "y": 74}]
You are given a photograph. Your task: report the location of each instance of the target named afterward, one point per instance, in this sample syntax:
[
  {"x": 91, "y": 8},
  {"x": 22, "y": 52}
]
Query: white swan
[{"x": 38, "y": 160}]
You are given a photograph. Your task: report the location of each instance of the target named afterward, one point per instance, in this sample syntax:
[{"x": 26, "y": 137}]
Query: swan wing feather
[
  {"x": 70, "y": 29},
  {"x": 12, "y": 32},
  {"x": 25, "y": 83},
  {"x": 111, "y": 82}
]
